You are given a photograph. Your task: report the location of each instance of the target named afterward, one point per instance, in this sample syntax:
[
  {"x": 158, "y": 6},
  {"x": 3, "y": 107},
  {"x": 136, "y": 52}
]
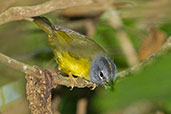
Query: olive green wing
[
  {"x": 75, "y": 44},
  {"x": 63, "y": 39},
  {"x": 85, "y": 48}
]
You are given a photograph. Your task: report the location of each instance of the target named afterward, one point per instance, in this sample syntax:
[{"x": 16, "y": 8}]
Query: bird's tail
[{"x": 44, "y": 24}]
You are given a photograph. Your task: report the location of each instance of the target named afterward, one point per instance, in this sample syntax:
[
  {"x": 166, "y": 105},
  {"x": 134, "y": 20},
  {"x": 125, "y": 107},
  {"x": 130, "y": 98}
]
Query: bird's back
[{"x": 73, "y": 52}]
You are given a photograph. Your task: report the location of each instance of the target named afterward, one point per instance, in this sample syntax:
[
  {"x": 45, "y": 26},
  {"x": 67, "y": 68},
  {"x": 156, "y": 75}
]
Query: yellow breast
[{"x": 77, "y": 66}]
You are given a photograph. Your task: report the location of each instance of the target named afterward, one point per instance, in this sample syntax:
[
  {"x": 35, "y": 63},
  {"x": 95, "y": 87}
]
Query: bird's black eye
[{"x": 101, "y": 75}]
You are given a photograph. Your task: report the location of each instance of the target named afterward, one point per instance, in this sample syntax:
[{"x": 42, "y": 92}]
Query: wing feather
[{"x": 75, "y": 44}]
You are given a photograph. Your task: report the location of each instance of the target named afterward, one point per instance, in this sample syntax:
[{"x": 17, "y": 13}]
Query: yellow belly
[{"x": 77, "y": 66}]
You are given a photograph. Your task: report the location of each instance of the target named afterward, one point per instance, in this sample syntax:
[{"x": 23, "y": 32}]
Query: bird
[{"x": 78, "y": 55}]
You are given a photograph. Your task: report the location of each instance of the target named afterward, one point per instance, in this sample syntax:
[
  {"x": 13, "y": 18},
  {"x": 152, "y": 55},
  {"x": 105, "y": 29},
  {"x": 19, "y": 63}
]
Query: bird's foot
[
  {"x": 73, "y": 81},
  {"x": 94, "y": 85}
]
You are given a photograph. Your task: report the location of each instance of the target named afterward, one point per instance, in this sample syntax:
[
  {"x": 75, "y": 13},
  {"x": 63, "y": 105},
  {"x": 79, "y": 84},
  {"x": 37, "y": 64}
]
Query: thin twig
[
  {"x": 162, "y": 50},
  {"x": 17, "y": 65},
  {"x": 81, "y": 83},
  {"x": 18, "y": 13},
  {"x": 125, "y": 43}
]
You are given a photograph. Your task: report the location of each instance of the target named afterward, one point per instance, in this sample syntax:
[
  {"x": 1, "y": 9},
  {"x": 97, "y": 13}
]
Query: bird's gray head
[{"x": 103, "y": 70}]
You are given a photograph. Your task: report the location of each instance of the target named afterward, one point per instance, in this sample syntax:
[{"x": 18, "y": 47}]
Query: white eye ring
[{"x": 101, "y": 75}]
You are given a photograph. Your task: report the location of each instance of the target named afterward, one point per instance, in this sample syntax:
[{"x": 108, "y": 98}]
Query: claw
[
  {"x": 94, "y": 86},
  {"x": 73, "y": 81}
]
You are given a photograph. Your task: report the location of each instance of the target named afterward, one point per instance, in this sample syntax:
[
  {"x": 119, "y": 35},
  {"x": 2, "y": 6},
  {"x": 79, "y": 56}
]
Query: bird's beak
[{"x": 109, "y": 84}]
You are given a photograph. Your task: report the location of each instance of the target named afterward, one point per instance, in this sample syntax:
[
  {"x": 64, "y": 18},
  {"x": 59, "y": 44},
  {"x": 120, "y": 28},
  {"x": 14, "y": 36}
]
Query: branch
[
  {"x": 166, "y": 46},
  {"x": 125, "y": 43},
  {"x": 17, "y": 65},
  {"x": 81, "y": 83},
  {"x": 59, "y": 79},
  {"x": 18, "y": 13}
]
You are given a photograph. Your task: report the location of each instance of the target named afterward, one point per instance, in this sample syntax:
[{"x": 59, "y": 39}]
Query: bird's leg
[{"x": 73, "y": 81}]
